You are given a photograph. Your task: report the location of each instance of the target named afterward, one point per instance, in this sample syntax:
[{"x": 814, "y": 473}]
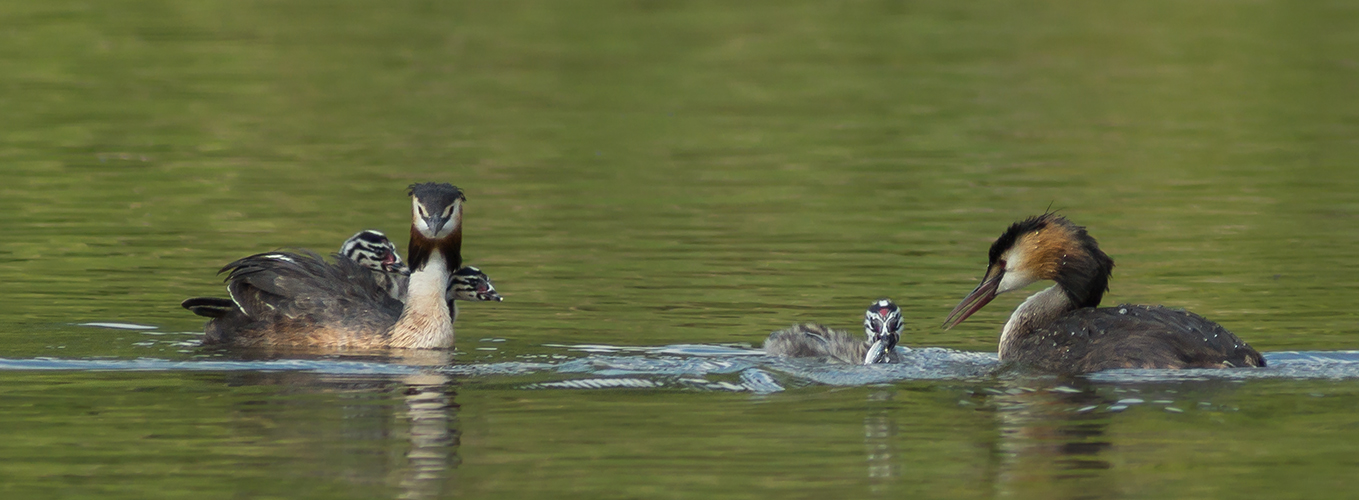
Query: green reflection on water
[
  {"x": 173, "y": 435},
  {"x": 649, "y": 172}
]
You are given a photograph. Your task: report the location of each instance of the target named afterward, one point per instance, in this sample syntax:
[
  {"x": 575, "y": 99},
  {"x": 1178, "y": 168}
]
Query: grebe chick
[
  {"x": 470, "y": 284},
  {"x": 882, "y": 325},
  {"x": 372, "y": 249},
  {"x": 1061, "y": 330},
  {"x": 299, "y": 299}
]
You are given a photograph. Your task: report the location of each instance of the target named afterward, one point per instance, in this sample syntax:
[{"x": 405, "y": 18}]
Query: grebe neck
[
  {"x": 1039, "y": 309},
  {"x": 425, "y": 321}
]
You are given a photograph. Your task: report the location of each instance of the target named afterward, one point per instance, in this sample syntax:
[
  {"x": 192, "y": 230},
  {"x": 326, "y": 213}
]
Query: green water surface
[{"x": 654, "y": 172}]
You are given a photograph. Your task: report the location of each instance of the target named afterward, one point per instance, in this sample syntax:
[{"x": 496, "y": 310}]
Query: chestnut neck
[{"x": 421, "y": 248}]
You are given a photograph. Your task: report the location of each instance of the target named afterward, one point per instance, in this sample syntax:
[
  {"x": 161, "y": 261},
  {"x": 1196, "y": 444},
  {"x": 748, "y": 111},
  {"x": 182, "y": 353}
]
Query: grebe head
[
  {"x": 436, "y": 224},
  {"x": 469, "y": 283},
  {"x": 1043, "y": 247},
  {"x": 372, "y": 249},
  {"x": 436, "y": 209},
  {"x": 882, "y": 324}
]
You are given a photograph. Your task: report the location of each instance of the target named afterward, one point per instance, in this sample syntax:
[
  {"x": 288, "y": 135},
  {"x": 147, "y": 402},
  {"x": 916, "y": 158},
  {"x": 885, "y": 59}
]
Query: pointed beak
[
  {"x": 488, "y": 293},
  {"x": 436, "y": 223},
  {"x": 976, "y": 300},
  {"x": 392, "y": 265}
]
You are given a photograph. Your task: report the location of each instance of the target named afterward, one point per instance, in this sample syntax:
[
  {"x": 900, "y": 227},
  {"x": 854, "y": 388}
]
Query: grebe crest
[{"x": 1043, "y": 247}]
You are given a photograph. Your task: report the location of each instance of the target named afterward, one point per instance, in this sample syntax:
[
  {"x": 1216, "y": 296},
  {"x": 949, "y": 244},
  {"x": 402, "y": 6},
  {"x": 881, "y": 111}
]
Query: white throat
[
  {"x": 1039, "y": 309},
  {"x": 425, "y": 322}
]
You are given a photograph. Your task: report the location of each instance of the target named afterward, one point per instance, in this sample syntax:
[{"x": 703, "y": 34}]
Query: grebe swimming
[
  {"x": 882, "y": 325},
  {"x": 299, "y": 299},
  {"x": 1061, "y": 330}
]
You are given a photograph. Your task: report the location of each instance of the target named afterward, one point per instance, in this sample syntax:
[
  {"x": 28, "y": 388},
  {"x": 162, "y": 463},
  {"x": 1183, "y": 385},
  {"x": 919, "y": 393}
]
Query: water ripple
[{"x": 720, "y": 368}]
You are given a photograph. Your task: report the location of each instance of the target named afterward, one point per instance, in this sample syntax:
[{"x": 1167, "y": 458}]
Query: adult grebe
[
  {"x": 1060, "y": 329},
  {"x": 882, "y": 325},
  {"x": 299, "y": 299}
]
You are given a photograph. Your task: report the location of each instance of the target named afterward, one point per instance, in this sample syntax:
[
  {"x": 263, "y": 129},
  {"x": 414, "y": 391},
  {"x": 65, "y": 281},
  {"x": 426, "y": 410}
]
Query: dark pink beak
[
  {"x": 976, "y": 300},
  {"x": 391, "y": 265}
]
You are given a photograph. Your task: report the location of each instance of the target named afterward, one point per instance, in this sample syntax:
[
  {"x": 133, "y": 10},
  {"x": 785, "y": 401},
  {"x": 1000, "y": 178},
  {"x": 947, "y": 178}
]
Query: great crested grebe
[
  {"x": 882, "y": 325},
  {"x": 1061, "y": 330},
  {"x": 299, "y": 299}
]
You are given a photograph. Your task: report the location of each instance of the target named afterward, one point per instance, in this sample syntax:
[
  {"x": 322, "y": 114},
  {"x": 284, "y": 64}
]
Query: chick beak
[{"x": 392, "y": 265}]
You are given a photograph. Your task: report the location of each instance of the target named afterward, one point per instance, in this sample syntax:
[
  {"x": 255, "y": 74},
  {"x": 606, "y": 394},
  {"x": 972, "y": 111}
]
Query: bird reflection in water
[
  {"x": 1047, "y": 445},
  {"x": 398, "y": 431},
  {"x": 880, "y": 448},
  {"x": 431, "y": 416}
]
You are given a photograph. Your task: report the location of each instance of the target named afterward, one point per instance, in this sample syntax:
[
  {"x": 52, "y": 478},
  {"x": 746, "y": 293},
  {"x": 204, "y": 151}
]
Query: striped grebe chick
[
  {"x": 1061, "y": 330},
  {"x": 370, "y": 248},
  {"x": 299, "y": 299},
  {"x": 469, "y": 284},
  {"x": 882, "y": 325}
]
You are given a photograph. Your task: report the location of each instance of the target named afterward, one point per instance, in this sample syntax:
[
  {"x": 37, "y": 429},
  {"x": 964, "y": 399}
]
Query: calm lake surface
[{"x": 655, "y": 186}]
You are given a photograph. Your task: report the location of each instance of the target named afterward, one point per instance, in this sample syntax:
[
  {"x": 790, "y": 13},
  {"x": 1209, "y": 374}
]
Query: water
[{"x": 655, "y": 186}]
